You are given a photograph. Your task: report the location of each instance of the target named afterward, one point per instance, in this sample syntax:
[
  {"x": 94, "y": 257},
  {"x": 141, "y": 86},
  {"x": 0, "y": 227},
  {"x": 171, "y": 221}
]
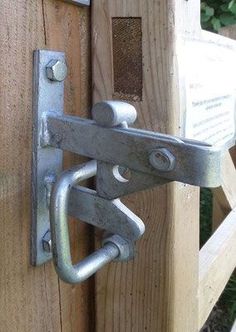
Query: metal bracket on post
[
  {"x": 47, "y": 162},
  {"x": 150, "y": 158}
]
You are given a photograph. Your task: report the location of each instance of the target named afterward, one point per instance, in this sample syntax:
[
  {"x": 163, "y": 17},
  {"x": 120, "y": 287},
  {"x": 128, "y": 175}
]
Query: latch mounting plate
[{"x": 47, "y": 162}]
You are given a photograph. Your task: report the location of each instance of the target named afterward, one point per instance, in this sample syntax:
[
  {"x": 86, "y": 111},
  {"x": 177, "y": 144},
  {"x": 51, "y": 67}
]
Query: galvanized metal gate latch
[{"x": 151, "y": 158}]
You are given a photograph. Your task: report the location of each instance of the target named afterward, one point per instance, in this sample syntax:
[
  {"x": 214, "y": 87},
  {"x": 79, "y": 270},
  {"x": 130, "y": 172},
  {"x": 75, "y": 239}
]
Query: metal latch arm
[
  {"x": 195, "y": 163},
  {"x": 110, "y": 215}
]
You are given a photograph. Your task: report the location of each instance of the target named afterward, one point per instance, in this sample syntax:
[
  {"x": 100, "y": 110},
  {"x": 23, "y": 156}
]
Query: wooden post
[
  {"x": 135, "y": 59},
  {"x": 32, "y": 299}
]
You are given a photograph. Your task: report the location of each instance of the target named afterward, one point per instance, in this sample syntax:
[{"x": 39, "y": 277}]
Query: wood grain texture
[
  {"x": 216, "y": 264},
  {"x": 158, "y": 290},
  {"x": 32, "y": 299}
]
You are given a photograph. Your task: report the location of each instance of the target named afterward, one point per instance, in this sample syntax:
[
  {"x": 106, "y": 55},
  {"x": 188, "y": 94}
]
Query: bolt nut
[
  {"x": 47, "y": 242},
  {"x": 125, "y": 247},
  {"x": 56, "y": 70},
  {"x": 162, "y": 159}
]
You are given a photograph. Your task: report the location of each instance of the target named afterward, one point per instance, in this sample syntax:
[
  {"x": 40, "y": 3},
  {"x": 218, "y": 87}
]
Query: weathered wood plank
[
  {"x": 31, "y": 298},
  {"x": 68, "y": 28},
  {"x": 216, "y": 264},
  {"x": 158, "y": 290}
]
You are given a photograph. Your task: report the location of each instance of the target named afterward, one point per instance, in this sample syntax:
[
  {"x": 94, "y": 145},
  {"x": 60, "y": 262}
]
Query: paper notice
[{"x": 210, "y": 93}]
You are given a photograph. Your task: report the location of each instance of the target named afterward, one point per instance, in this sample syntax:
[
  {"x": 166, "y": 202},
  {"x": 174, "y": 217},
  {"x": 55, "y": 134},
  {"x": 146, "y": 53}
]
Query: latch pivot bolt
[
  {"x": 56, "y": 70},
  {"x": 162, "y": 159},
  {"x": 114, "y": 113}
]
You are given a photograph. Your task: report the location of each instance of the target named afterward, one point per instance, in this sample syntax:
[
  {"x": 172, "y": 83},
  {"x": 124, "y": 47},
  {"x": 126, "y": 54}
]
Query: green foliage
[
  {"x": 217, "y": 13},
  {"x": 228, "y": 299},
  {"x": 205, "y": 215}
]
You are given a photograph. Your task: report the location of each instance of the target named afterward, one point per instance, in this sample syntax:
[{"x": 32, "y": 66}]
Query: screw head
[
  {"x": 56, "y": 70},
  {"x": 47, "y": 242},
  {"x": 162, "y": 159}
]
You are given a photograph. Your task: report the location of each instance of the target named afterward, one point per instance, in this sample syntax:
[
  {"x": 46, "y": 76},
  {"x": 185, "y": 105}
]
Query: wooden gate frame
[
  {"x": 170, "y": 286},
  {"x": 159, "y": 290}
]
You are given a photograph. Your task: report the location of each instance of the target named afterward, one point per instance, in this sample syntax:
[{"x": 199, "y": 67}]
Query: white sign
[{"x": 210, "y": 82}]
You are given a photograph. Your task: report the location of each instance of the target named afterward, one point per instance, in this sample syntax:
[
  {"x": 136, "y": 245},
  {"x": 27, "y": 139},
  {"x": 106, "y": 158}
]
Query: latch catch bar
[{"x": 195, "y": 163}]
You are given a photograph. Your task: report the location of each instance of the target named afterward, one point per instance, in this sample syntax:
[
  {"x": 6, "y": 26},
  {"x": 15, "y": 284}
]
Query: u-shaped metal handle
[{"x": 60, "y": 234}]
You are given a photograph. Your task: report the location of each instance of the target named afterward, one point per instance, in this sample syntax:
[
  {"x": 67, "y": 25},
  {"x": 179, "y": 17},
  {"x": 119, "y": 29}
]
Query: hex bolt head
[
  {"x": 47, "y": 242},
  {"x": 56, "y": 70},
  {"x": 162, "y": 159}
]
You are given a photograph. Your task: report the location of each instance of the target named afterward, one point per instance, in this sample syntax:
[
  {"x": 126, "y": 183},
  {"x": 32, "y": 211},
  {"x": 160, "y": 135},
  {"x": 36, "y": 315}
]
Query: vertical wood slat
[
  {"x": 158, "y": 290},
  {"x": 32, "y": 299},
  {"x": 67, "y": 28}
]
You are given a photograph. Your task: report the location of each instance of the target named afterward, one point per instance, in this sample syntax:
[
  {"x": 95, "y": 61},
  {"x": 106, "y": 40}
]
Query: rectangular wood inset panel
[{"x": 127, "y": 58}]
